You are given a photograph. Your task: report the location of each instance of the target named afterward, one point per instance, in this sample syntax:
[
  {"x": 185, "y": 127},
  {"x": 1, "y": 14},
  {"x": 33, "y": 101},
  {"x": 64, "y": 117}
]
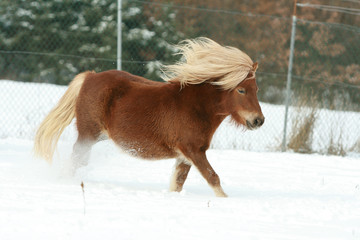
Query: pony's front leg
[
  {"x": 179, "y": 176},
  {"x": 199, "y": 159}
]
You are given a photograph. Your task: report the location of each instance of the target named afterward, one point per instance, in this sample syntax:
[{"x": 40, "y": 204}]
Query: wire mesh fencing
[{"x": 44, "y": 44}]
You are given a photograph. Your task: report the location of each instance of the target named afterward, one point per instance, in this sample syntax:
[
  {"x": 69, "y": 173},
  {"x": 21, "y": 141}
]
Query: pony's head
[
  {"x": 233, "y": 71},
  {"x": 243, "y": 105}
]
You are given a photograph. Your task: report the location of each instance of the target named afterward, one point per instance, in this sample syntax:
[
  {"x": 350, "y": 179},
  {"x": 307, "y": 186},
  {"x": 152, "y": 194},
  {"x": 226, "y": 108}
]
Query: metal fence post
[
  {"x": 119, "y": 40},
  {"x": 288, "y": 83}
]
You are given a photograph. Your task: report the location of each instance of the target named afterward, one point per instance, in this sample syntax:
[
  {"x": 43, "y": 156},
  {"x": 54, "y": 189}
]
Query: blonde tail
[{"x": 57, "y": 120}]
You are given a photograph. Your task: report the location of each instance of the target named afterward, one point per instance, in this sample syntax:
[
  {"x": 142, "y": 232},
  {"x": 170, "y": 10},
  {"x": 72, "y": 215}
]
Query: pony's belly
[{"x": 151, "y": 152}]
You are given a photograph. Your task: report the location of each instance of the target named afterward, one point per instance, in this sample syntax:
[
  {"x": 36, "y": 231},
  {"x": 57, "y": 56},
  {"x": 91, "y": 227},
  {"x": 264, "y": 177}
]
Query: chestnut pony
[{"x": 157, "y": 120}]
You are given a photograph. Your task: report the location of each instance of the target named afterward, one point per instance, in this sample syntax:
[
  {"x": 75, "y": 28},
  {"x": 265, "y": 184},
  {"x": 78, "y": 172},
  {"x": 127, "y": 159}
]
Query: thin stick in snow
[{"x": 83, "y": 191}]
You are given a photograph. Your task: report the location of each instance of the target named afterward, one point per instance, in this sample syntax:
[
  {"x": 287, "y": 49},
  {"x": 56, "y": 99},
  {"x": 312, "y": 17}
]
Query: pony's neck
[{"x": 206, "y": 100}]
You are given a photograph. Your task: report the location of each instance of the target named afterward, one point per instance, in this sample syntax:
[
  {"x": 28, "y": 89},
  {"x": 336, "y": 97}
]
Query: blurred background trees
[{"x": 51, "y": 41}]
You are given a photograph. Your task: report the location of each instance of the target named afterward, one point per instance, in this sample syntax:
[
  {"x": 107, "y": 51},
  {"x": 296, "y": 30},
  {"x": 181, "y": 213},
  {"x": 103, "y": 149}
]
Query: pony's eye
[{"x": 241, "y": 91}]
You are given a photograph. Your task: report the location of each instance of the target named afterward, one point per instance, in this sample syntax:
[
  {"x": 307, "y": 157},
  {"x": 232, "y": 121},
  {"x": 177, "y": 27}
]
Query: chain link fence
[{"x": 44, "y": 44}]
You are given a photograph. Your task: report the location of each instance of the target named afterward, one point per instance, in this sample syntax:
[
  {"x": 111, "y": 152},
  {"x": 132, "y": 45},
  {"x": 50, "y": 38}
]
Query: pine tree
[
  {"x": 51, "y": 41},
  {"x": 148, "y": 35}
]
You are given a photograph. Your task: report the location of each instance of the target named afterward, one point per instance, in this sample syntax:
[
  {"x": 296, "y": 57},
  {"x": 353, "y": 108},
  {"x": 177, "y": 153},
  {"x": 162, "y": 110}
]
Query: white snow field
[{"x": 272, "y": 195}]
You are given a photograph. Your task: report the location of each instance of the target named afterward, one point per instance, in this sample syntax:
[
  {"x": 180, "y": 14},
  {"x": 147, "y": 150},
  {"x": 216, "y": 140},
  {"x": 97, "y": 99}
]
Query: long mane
[{"x": 205, "y": 60}]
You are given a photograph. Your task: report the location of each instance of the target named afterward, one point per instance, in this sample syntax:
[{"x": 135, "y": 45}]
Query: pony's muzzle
[
  {"x": 256, "y": 123},
  {"x": 259, "y": 121}
]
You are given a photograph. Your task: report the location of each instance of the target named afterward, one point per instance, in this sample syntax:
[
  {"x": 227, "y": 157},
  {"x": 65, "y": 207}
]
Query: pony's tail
[{"x": 57, "y": 120}]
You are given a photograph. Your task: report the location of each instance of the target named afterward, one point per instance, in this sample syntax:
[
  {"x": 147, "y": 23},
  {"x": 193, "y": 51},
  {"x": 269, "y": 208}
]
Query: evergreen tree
[
  {"x": 148, "y": 34},
  {"x": 51, "y": 41}
]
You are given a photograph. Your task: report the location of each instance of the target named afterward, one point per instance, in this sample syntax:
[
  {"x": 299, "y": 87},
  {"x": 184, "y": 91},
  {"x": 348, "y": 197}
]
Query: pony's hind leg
[
  {"x": 179, "y": 176},
  {"x": 89, "y": 134},
  {"x": 81, "y": 153}
]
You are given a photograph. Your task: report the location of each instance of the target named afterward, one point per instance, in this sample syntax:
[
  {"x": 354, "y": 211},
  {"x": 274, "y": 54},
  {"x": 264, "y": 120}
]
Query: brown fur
[{"x": 154, "y": 120}]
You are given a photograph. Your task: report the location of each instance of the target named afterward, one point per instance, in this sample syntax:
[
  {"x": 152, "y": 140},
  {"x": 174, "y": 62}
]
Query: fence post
[
  {"x": 119, "y": 40},
  {"x": 289, "y": 74}
]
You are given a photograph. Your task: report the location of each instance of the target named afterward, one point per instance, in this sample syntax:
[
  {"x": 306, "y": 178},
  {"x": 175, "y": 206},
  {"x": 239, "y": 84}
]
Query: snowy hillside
[{"x": 24, "y": 105}]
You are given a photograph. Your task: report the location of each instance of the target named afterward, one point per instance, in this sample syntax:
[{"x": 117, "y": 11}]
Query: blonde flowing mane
[{"x": 205, "y": 60}]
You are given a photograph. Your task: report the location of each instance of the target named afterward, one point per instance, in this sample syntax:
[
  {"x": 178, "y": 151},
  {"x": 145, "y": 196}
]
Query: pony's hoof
[{"x": 219, "y": 192}]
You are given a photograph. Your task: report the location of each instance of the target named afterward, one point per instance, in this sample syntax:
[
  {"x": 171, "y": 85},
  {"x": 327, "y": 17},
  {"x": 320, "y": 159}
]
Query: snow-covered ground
[{"x": 271, "y": 196}]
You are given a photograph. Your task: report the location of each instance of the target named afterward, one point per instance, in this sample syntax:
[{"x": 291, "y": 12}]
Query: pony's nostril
[{"x": 258, "y": 122}]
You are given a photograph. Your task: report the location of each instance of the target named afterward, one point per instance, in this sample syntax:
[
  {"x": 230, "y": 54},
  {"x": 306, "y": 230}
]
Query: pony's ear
[{"x": 255, "y": 66}]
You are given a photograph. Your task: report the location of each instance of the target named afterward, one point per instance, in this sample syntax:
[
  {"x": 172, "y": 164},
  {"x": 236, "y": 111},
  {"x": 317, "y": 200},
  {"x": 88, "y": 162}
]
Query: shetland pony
[{"x": 157, "y": 120}]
